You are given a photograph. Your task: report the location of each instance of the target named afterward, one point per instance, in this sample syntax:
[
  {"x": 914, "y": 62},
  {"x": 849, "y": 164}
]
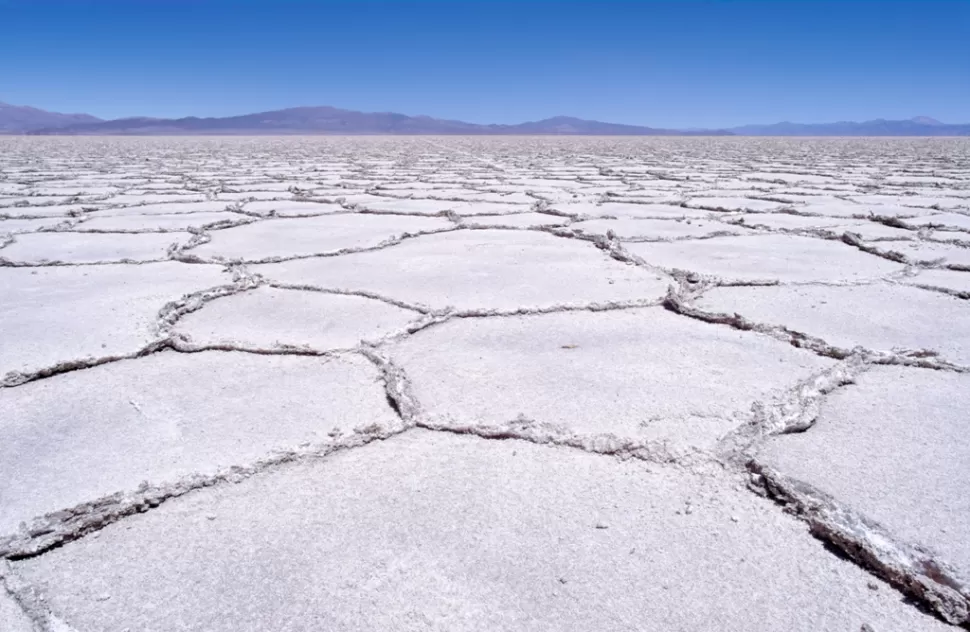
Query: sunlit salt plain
[{"x": 457, "y": 383}]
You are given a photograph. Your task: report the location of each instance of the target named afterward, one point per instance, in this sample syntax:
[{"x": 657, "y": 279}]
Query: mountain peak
[
  {"x": 331, "y": 120},
  {"x": 17, "y": 119},
  {"x": 561, "y": 119},
  {"x": 919, "y": 126},
  {"x": 326, "y": 119}
]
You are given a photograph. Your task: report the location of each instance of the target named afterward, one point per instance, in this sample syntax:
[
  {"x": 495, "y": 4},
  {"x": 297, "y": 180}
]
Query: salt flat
[{"x": 484, "y": 383}]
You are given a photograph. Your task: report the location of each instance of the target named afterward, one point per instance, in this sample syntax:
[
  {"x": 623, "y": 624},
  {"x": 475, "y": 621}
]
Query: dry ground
[{"x": 484, "y": 384}]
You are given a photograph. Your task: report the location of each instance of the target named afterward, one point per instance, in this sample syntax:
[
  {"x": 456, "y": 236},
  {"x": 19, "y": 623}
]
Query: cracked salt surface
[
  {"x": 431, "y": 531},
  {"x": 949, "y": 281},
  {"x": 288, "y": 319},
  {"x": 404, "y": 206},
  {"x": 11, "y": 615},
  {"x": 155, "y": 198},
  {"x": 520, "y": 220},
  {"x": 645, "y": 374},
  {"x": 483, "y": 383},
  {"x": 284, "y": 208},
  {"x": 619, "y": 210},
  {"x": 328, "y": 234},
  {"x": 916, "y": 201},
  {"x": 735, "y": 204},
  {"x": 163, "y": 209},
  {"x": 656, "y": 229},
  {"x": 481, "y": 270},
  {"x": 787, "y": 221},
  {"x": 872, "y": 231},
  {"x": 41, "y": 248},
  {"x": 785, "y": 258},
  {"x": 946, "y": 221},
  {"x": 80, "y": 436},
  {"x": 945, "y": 255},
  {"x": 895, "y": 446},
  {"x": 64, "y": 314},
  {"x": 12, "y": 226},
  {"x": 852, "y": 316},
  {"x": 95, "y": 222}
]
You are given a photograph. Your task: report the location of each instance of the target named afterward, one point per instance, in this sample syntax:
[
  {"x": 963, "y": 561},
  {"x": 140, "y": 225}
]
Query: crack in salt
[
  {"x": 60, "y": 527},
  {"x": 909, "y": 567},
  {"x": 679, "y": 301}
]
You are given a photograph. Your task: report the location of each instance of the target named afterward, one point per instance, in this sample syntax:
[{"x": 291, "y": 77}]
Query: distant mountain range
[
  {"x": 919, "y": 126},
  {"x": 17, "y": 119},
  {"x": 328, "y": 120}
]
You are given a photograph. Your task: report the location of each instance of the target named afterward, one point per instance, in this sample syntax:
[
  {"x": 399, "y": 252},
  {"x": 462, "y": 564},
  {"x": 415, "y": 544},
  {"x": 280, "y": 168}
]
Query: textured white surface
[
  {"x": 644, "y": 373},
  {"x": 480, "y": 269},
  {"x": 91, "y": 433},
  {"x": 775, "y": 257},
  {"x": 857, "y": 316},
  {"x": 66, "y": 313},
  {"x": 483, "y": 383},
  {"x": 438, "y": 532},
  {"x": 897, "y": 447}
]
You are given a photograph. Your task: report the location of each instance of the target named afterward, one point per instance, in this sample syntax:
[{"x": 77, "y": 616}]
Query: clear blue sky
[{"x": 670, "y": 64}]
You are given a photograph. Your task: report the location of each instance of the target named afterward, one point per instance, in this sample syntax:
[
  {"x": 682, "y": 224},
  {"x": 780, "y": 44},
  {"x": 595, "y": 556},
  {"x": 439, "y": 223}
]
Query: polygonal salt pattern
[
  {"x": 80, "y": 436},
  {"x": 302, "y": 237},
  {"x": 75, "y": 247},
  {"x": 895, "y": 447},
  {"x": 479, "y": 383},
  {"x": 472, "y": 534},
  {"x": 267, "y": 319},
  {"x": 291, "y": 208},
  {"x": 642, "y": 374},
  {"x": 13, "y": 226},
  {"x": 481, "y": 270},
  {"x": 929, "y": 253},
  {"x": 918, "y": 322},
  {"x": 768, "y": 258},
  {"x": 97, "y": 223},
  {"x": 161, "y": 208},
  {"x": 69, "y": 314},
  {"x": 518, "y": 220},
  {"x": 948, "y": 281},
  {"x": 657, "y": 229}
]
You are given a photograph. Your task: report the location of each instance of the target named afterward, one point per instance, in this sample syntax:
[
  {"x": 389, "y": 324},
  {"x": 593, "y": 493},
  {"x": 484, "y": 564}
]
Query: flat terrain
[{"x": 543, "y": 384}]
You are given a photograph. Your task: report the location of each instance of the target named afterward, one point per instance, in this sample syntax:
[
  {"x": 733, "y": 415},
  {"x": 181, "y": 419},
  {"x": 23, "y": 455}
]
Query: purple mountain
[
  {"x": 17, "y": 119},
  {"x": 919, "y": 126},
  {"x": 329, "y": 120}
]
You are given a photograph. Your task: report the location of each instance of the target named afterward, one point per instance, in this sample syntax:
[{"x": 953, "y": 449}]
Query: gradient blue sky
[{"x": 670, "y": 64}]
